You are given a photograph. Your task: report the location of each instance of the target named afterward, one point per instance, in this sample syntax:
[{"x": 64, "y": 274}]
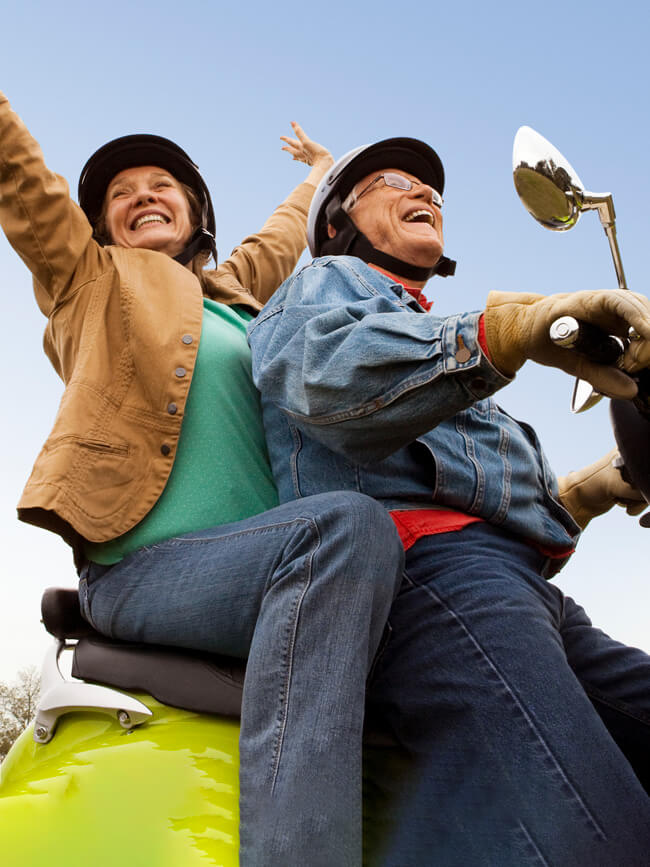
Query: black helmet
[
  {"x": 409, "y": 154},
  {"x": 147, "y": 150}
]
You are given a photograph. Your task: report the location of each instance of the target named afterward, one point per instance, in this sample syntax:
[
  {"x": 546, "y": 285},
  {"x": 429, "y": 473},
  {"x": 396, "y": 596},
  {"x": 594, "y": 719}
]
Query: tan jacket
[{"x": 123, "y": 332}]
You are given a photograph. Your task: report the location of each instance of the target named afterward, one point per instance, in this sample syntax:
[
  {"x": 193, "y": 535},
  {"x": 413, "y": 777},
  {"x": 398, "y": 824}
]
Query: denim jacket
[{"x": 362, "y": 390}]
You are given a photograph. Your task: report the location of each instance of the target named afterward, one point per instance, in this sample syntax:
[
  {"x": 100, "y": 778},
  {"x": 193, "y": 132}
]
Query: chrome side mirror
[
  {"x": 546, "y": 183},
  {"x": 552, "y": 192}
]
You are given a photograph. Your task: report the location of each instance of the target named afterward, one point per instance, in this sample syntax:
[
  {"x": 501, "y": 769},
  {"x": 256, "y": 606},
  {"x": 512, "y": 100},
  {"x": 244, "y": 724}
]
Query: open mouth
[
  {"x": 420, "y": 216},
  {"x": 149, "y": 218}
]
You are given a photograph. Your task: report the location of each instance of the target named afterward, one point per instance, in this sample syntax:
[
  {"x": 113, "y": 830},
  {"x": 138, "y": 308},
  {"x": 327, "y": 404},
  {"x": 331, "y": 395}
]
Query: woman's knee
[
  {"x": 363, "y": 528},
  {"x": 355, "y": 514}
]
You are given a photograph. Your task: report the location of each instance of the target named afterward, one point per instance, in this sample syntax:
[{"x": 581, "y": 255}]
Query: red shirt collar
[{"x": 417, "y": 294}]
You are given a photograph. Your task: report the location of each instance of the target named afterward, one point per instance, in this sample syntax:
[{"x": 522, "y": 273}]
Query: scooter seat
[
  {"x": 181, "y": 678},
  {"x": 200, "y": 682}
]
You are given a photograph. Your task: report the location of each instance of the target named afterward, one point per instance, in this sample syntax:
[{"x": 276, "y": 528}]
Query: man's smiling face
[
  {"x": 403, "y": 223},
  {"x": 147, "y": 207}
]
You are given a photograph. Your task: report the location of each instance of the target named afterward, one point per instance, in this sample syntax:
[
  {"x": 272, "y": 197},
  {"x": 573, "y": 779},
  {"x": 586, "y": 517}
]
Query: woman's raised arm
[
  {"x": 46, "y": 228},
  {"x": 264, "y": 260}
]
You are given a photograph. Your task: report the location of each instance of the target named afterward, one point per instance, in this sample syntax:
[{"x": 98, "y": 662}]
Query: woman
[{"x": 154, "y": 482}]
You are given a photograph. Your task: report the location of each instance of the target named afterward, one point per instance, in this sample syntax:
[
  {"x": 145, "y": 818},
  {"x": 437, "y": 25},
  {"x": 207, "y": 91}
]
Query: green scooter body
[
  {"x": 109, "y": 775},
  {"x": 163, "y": 794}
]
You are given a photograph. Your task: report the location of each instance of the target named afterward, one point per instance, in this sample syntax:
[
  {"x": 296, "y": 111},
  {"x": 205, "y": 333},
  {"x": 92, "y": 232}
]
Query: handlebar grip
[{"x": 588, "y": 339}]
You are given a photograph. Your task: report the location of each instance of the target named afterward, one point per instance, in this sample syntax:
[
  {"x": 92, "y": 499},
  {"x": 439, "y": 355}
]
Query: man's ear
[{"x": 331, "y": 231}]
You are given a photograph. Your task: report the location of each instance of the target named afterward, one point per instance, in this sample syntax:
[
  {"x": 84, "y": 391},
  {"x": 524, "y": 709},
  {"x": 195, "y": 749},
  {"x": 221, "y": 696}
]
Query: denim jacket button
[
  {"x": 462, "y": 353},
  {"x": 180, "y": 372},
  {"x": 187, "y": 338},
  {"x": 172, "y": 409}
]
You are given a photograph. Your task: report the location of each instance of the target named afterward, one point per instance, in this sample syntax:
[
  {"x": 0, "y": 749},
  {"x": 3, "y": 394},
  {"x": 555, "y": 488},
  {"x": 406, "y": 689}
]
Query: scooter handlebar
[{"x": 599, "y": 347}]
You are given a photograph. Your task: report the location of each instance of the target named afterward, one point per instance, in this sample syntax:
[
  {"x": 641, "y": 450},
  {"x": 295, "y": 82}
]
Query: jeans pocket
[{"x": 84, "y": 600}]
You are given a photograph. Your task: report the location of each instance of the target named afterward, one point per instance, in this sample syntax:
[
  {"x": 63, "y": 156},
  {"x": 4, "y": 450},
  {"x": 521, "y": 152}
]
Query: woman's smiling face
[{"x": 146, "y": 206}]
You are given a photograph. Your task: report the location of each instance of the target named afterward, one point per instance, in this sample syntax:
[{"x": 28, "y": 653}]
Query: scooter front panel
[{"x": 163, "y": 794}]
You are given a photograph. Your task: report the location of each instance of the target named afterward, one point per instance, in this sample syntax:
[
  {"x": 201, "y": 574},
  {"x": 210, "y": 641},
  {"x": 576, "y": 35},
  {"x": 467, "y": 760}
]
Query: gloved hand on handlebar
[
  {"x": 517, "y": 328},
  {"x": 595, "y": 489}
]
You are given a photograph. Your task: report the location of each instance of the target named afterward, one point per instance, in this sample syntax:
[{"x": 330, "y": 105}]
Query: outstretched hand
[{"x": 308, "y": 151}]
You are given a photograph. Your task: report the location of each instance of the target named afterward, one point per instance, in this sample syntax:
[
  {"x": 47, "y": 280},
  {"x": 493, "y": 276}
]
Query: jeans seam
[
  {"x": 179, "y": 541},
  {"x": 84, "y": 601},
  {"x": 265, "y": 528},
  {"x": 288, "y": 656},
  {"x": 539, "y": 857},
  {"x": 518, "y": 705}
]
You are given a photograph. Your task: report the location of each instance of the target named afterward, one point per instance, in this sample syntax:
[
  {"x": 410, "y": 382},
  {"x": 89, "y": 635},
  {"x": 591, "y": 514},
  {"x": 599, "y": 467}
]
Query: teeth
[
  {"x": 149, "y": 218},
  {"x": 418, "y": 215}
]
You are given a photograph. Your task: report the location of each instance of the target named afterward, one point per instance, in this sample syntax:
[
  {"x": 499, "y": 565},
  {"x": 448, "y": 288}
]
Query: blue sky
[{"x": 225, "y": 79}]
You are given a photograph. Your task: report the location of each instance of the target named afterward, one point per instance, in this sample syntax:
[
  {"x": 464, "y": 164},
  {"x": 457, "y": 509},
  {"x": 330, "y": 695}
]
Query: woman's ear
[{"x": 331, "y": 231}]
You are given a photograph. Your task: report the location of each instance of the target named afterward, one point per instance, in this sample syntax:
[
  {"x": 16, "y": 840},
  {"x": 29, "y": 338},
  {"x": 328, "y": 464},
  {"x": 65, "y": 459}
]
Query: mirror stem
[
  {"x": 604, "y": 204},
  {"x": 610, "y": 231}
]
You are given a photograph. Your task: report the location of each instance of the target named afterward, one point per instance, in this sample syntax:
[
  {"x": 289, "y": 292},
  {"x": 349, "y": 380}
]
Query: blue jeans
[
  {"x": 304, "y": 592},
  {"x": 488, "y": 684}
]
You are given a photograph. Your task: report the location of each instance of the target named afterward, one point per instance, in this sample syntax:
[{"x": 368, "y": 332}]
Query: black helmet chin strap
[
  {"x": 200, "y": 240},
  {"x": 349, "y": 241}
]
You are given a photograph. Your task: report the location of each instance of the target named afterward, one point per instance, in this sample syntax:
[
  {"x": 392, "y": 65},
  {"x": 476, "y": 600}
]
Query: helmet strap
[
  {"x": 349, "y": 241},
  {"x": 200, "y": 240}
]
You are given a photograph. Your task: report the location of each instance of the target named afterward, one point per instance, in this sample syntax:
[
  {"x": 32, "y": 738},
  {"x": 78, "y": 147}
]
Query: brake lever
[
  {"x": 601, "y": 348},
  {"x": 597, "y": 345}
]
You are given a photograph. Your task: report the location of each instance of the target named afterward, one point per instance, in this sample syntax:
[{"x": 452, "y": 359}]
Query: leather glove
[
  {"x": 517, "y": 325},
  {"x": 595, "y": 489}
]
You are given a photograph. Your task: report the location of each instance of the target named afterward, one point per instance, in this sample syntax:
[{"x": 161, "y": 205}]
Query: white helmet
[{"x": 409, "y": 154}]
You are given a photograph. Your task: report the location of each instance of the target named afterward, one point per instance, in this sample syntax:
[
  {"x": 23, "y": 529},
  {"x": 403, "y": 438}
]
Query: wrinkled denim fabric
[
  {"x": 364, "y": 391},
  {"x": 486, "y": 741},
  {"x": 303, "y": 591},
  {"x": 484, "y": 744}
]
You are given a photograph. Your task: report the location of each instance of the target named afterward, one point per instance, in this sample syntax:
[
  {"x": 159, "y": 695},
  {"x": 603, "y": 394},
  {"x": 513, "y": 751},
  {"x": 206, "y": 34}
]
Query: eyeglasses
[{"x": 399, "y": 182}]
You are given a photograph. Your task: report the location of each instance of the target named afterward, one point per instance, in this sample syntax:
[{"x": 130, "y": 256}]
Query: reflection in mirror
[
  {"x": 546, "y": 183},
  {"x": 552, "y": 192}
]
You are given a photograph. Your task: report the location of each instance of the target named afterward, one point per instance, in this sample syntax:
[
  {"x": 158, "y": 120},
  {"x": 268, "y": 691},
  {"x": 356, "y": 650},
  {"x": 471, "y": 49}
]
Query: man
[{"x": 491, "y": 682}]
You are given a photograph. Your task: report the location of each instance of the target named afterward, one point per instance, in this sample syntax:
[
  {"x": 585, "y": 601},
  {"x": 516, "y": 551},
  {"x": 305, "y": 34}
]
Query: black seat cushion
[
  {"x": 195, "y": 681},
  {"x": 181, "y": 678}
]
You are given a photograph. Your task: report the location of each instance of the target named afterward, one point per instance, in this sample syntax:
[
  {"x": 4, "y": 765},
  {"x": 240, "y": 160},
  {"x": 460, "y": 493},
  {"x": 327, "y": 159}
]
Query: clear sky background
[{"x": 225, "y": 79}]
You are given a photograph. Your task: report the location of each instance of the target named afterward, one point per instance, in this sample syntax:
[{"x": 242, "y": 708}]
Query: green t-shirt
[{"x": 221, "y": 472}]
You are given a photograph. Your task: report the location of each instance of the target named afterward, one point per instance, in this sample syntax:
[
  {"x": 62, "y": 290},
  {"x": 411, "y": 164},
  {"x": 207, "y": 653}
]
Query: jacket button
[
  {"x": 165, "y": 449},
  {"x": 172, "y": 409},
  {"x": 187, "y": 338},
  {"x": 463, "y": 354},
  {"x": 180, "y": 372}
]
